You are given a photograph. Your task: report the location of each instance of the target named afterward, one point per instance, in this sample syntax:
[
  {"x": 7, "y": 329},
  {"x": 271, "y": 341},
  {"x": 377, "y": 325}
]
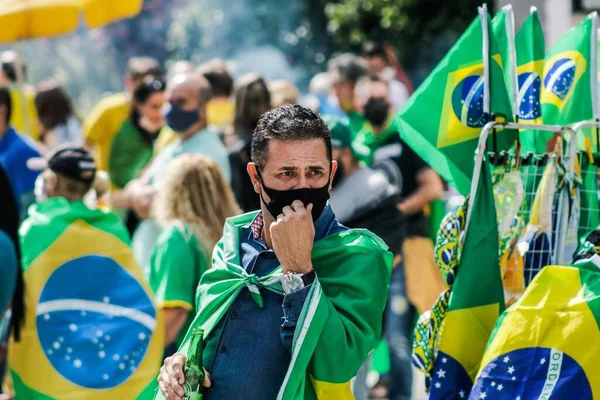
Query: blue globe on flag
[
  {"x": 560, "y": 77},
  {"x": 532, "y": 373},
  {"x": 530, "y": 86},
  {"x": 467, "y": 101},
  {"x": 94, "y": 331}
]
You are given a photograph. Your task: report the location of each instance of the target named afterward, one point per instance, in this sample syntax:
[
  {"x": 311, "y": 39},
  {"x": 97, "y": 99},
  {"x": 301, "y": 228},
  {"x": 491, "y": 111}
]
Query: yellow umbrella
[{"x": 31, "y": 19}]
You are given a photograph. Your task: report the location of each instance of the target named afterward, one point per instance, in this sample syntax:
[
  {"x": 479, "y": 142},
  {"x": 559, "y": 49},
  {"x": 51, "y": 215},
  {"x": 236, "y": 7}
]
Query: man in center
[{"x": 293, "y": 302}]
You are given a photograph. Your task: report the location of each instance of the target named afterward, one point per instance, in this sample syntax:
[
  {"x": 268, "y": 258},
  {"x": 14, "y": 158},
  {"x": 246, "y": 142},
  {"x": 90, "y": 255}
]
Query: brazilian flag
[
  {"x": 476, "y": 301},
  {"x": 545, "y": 345},
  {"x": 92, "y": 330},
  {"x": 443, "y": 118}
]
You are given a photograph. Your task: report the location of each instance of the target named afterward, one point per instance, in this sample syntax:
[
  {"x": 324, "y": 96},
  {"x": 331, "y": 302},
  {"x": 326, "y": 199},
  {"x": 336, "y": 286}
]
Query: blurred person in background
[
  {"x": 106, "y": 118},
  {"x": 377, "y": 57},
  {"x": 220, "y": 111},
  {"x": 133, "y": 145},
  {"x": 345, "y": 70},
  {"x": 24, "y": 117},
  {"x": 252, "y": 99},
  {"x": 179, "y": 67},
  {"x": 15, "y": 150},
  {"x": 187, "y": 96},
  {"x": 59, "y": 123},
  {"x": 191, "y": 208},
  {"x": 320, "y": 96},
  {"x": 283, "y": 93},
  {"x": 379, "y": 145}
]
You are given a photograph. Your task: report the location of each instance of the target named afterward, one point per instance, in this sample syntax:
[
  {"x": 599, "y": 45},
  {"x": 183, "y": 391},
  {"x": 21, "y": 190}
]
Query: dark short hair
[
  {"x": 10, "y": 69},
  {"x": 147, "y": 88},
  {"x": 53, "y": 104},
  {"x": 252, "y": 100},
  {"x": 6, "y": 101},
  {"x": 140, "y": 67},
  {"x": 346, "y": 67},
  {"x": 287, "y": 123},
  {"x": 372, "y": 50},
  {"x": 216, "y": 73}
]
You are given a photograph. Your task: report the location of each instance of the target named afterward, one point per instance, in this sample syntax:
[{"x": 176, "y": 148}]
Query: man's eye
[
  {"x": 317, "y": 173},
  {"x": 287, "y": 173}
]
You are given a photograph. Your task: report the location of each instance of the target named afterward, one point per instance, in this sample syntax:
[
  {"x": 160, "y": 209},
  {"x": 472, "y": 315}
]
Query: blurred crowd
[{"x": 171, "y": 153}]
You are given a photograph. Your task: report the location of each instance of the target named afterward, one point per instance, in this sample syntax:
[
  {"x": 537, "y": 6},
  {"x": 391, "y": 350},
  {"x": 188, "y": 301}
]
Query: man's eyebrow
[
  {"x": 316, "y": 168},
  {"x": 288, "y": 168}
]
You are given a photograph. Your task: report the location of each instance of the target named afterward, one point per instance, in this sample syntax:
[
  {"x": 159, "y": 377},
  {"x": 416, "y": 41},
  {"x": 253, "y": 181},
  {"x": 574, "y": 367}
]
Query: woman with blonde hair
[{"x": 191, "y": 207}]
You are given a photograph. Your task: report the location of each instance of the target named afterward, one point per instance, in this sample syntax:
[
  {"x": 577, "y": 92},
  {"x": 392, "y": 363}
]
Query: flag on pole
[
  {"x": 543, "y": 347},
  {"x": 476, "y": 301},
  {"x": 504, "y": 31},
  {"x": 442, "y": 120},
  {"x": 92, "y": 330},
  {"x": 566, "y": 90}
]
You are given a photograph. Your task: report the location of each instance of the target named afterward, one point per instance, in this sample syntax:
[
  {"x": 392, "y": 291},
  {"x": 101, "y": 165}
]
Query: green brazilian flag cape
[
  {"x": 92, "y": 330},
  {"x": 443, "y": 118},
  {"x": 545, "y": 345},
  {"x": 341, "y": 319},
  {"x": 476, "y": 300}
]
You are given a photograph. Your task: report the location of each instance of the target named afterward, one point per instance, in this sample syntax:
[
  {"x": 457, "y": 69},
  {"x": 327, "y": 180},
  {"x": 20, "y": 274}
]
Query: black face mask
[
  {"x": 376, "y": 111},
  {"x": 282, "y": 198},
  {"x": 339, "y": 174}
]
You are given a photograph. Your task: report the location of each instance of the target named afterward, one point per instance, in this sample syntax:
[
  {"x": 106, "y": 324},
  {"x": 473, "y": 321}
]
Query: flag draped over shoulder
[
  {"x": 476, "y": 301},
  {"x": 340, "y": 322},
  {"x": 92, "y": 330},
  {"x": 544, "y": 346},
  {"x": 530, "y": 48},
  {"x": 442, "y": 120}
]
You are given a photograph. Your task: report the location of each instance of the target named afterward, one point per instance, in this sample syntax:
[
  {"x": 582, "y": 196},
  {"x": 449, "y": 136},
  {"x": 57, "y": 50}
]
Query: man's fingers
[
  {"x": 309, "y": 208},
  {"x": 287, "y": 211},
  {"x": 207, "y": 381},
  {"x": 297, "y": 205}
]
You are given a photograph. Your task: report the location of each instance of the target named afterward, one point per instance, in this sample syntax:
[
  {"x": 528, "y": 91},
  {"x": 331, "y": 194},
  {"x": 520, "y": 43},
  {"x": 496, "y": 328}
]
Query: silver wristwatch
[{"x": 292, "y": 281}]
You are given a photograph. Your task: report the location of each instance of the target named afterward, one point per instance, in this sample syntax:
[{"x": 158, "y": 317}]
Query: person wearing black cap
[{"x": 68, "y": 173}]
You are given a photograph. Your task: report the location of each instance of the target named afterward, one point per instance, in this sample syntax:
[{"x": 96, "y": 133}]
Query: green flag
[
  {"x": 504, "y": 31},
  {"x": 442, "y": 120},
  {"x": 476, "y": 300},
  {"x": 566, "y": 92},
  {"x": 530, "y": 47}
]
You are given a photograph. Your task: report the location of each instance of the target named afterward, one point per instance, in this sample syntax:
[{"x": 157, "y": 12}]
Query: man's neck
[
  {"x": 266, "y": 229},
  {"x": 190, "y": 133},
  {"x": 3, "y": 131}
]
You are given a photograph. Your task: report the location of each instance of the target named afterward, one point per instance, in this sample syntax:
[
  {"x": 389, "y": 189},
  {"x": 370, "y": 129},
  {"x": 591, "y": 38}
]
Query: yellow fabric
[
  {"x": 332, "y": 391},
  {"x": 103, "y": 123},
  {"x": 424, "y": 282},
  {"x": 165, "y": 137},
  {"x": 17, "y": 119},
  {"x": 220, "y": 113},
  {"x": 27, "y": 356},
  {"x": 30, "y": 19},
  {"x": 553, "y": 313},
  {"x": 176, "y": 304}
]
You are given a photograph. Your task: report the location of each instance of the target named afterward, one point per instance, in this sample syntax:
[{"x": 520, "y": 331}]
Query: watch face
[{"x": 291, "y": 282}]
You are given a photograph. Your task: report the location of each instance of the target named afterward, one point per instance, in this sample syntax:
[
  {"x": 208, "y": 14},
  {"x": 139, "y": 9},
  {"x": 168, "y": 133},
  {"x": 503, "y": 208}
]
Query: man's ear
[
  {"x": 332, "y": 173},
  {"x": 253, "y": 173}
]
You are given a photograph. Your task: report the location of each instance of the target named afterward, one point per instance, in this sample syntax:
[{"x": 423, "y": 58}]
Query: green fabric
[
  {"x": 340, "y": 322},
  {"x": 503, "y": 28},
  {"x": 129, "y": 155},
  {"x": 356, "y": 121},
  {"x": 367, "y": 142},
  {"x": 531, "y": 50},
  {"x": 568, "y": 103},
  {"x": 442, "y": 120},
  {"x": 176, "y": 266},
  {"x": 341, "y": 136},
  {"x": 40, "y": 229},
  {"x": 589, "y": 217}
]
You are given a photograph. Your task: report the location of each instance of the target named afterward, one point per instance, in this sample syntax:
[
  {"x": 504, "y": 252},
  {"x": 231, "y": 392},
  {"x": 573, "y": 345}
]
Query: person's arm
[
  {"x": 430, "y": 188},
  {"x": 174, "y": 320}
]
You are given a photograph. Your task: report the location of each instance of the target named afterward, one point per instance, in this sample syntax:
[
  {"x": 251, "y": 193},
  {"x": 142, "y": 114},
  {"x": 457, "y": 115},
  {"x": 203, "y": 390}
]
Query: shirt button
[
  {"x": 233, "y": 315},
  {"x": 223, "y": 349}
]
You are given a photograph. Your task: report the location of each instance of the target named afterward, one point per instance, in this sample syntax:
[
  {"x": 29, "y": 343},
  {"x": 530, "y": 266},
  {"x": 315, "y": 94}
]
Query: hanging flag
[
  {"x": 543, "y": 346},
  {"x": 504, "y": 31},
  {"x": 442, "y": 120},
  {"x": 476, "y": 301},
  {"x": 92, "y": 330},
  {"x": 566, "y": 91},
  {"x": 531, "y": 48}
]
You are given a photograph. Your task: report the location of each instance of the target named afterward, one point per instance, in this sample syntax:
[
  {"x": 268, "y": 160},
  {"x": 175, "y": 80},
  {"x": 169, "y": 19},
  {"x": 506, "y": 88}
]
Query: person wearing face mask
[
  {"x": 379, "y": 145},
  {"x": 185, "y": 114},
  {"x": 292, "y": 303},
  {"x": 345, "y": 71}
]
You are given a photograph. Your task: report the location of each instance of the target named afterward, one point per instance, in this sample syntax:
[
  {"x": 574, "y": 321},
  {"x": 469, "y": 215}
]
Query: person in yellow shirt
[
  {"x": 104, "y": 121},
  {"x": 24, "y": 117}
]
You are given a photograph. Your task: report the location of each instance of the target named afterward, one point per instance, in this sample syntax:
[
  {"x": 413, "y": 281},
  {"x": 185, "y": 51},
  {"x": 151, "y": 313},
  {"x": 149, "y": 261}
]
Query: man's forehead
[{"x": 297, "y": 153}]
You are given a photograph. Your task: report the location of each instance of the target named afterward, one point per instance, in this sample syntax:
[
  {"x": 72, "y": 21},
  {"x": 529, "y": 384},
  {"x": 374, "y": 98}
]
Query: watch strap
[{"x": 309, "y": 278}]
